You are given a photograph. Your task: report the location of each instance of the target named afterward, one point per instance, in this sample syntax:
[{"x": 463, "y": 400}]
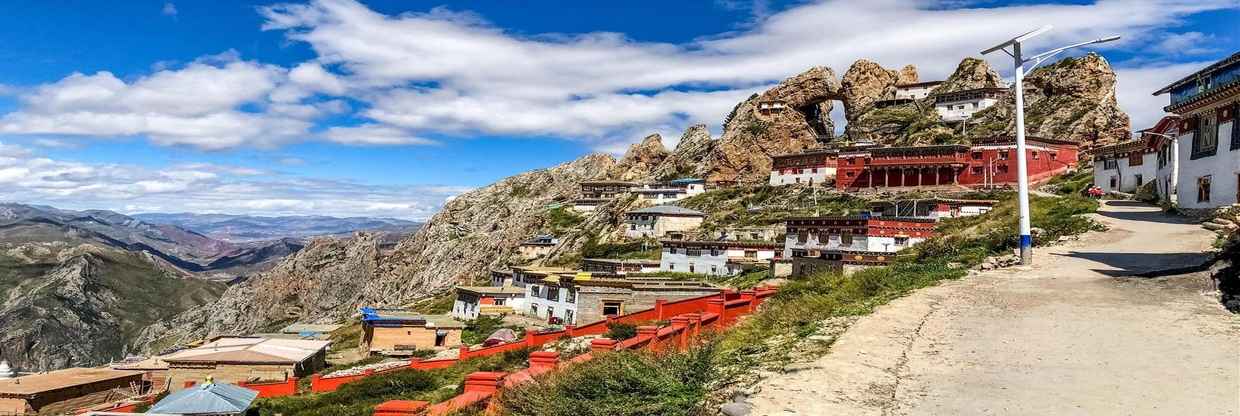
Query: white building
[
  {"x": 1162, "y": 139},
  {"x": 718, "y": 258},
  {"x": 472, "y": 301},
  {"x": 1125, "y": 166},
  {"x": 933, "y": 208},
  {"x": 668, "y": 192},
  {"x": 916, "y": 91},
  {"x": 1208, "y": 144},
  {"x": 811, "y": 167},
  {"x": 537, "y": 247},
  {"x": 811, "y": 236},
  {"x": 658, "y": 221},
  {"x": 960, "y": 105}
]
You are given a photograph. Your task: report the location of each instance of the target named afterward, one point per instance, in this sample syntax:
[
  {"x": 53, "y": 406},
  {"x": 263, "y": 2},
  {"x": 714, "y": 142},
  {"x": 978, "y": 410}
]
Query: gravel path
[{"x": 1069, "y": 335}]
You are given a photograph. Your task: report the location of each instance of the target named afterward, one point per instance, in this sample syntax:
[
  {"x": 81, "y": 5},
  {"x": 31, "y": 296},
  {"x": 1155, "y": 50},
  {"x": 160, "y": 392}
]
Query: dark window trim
[
  {"x": 1201, "y": 153},
  {"x": 1235, "y": 122}
]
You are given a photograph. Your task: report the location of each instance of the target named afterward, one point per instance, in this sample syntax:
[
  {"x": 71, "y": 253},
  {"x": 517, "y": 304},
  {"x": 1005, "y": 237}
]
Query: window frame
[
  {"x": 1204, "y": 197},
  {"x": 1204, "y": 123}
]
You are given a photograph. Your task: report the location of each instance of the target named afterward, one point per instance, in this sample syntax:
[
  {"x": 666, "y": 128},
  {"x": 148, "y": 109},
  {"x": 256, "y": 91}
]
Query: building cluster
[
  {"x": 595, "y": 193},
  {"x": 1192, "y": 155},
  {"x": 983, "y": 164}
]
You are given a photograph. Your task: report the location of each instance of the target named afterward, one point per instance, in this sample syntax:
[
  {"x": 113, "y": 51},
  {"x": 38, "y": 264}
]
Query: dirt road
[{"x": 1071, "y": 335}]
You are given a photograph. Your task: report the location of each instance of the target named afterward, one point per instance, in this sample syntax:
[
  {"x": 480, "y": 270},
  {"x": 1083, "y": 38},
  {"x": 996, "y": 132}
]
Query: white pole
[{"x": 1022, "y": 170}]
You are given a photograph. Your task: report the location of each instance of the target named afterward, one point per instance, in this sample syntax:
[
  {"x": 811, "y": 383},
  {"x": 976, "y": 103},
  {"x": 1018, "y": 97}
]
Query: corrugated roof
[
  {"x": 300, "y": 328},
  {"x": 493, "y": 290},
  {"x": 59, "y": 379},
  {"x": 208, "y": 399},
  {"x": 667, "y": 210},
  {"x": 265, "y": 350}
]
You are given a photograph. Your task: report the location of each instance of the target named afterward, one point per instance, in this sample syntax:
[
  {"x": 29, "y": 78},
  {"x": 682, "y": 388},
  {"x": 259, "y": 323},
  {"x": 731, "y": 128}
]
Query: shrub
[
  {"x": 619, "y": 384},
  {"x": 620, "y": 331}
]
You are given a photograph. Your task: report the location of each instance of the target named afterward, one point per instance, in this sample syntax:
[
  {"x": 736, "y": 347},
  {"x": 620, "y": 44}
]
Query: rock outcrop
[
  {"x": 694, "y": 146},
  {"x": 473, "y": 233},
  {"x": 867, "y": 82},
  {"x": 641, "y": 159},
  {"x": 971, "y": 74},
  {"x": 1073, "y": 99}
]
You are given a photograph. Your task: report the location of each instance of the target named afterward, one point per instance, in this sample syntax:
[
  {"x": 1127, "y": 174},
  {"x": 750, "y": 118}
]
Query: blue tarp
[{"x": 207, "y": 399}]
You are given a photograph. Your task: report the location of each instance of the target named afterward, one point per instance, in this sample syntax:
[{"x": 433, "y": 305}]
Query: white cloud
[
  {"x": 1188, "y": 43},
  {"x": 202, "y": 187},
  {"x": 169, "y": 9},
  {"x": 371, "y": 134},
  {"x": 474, "y": 77},
  {"x": 200, "y": 105},
  {"x": 1136, "y": 86},
  {"x": 442, "y": 73}
]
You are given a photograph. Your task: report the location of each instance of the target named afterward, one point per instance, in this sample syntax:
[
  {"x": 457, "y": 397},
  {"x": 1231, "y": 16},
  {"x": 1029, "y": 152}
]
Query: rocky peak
[
  {"x": 867, "y": 82},
  {"x": 695, "y": 144},
  {"x": 972, "y": 73},
  {"x": 908, "y": 75},
  {"x": 1073, "y": 99},
  {"x": 641, "y": 159}
]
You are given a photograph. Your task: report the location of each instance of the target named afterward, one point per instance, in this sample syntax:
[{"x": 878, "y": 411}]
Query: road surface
[{"x": 1073, "y": 334}]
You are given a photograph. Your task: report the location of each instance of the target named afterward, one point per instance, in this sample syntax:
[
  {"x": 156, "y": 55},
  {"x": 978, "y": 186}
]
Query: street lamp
[{"x": 1022, "y": 171}]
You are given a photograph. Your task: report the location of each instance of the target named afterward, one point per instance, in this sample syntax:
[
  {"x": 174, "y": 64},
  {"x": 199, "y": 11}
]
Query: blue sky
[{"x": 387, "y": 108}]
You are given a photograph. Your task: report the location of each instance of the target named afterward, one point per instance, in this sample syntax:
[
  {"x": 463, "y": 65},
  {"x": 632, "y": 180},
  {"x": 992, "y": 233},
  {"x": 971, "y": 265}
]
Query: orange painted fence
[
  {"x": 272, "y": 388},
  {"x": 481, "y": 387},
  {"x": 717, "y": 303}
]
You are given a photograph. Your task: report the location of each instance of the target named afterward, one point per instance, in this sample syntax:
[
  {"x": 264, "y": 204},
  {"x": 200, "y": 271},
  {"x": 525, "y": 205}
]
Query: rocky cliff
[
  {"x": 473, "y": 233},
  {"x": 1073, "y": 99}
]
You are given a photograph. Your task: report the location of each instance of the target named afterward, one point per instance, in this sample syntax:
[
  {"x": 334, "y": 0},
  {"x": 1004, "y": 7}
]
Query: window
[
  {"x": 553, "y": 293},
  {"x": 751, "y": 253},
  {"x": 1136, "y": 159},
  {"x": 1054, "y": 156},
  {"x": 613, "y": 308},
  {"x": 977, "y": 155},
  {"x": 1114, "y": 182},
  {"x": 1203, "y": 189},
  {"x": 1139, "y": 179},
  {"x": 1035, "y": 155},
  {"x": 901, "y": 241},
  {"x": 977, "y": 170},
  {"x": 1005, "y": 154},
  {"x": 1110, "y": 164},
  {"x": 534, "y": 309},
  {"x": 570, "y": 296},
  {"x": 1235, "y": 126},
  {"x": 500, "y": 301},
  {"x": 568, "y": 316},
  {"x": 846, "y": 239},
  {"x": 1205, "y": 141}
]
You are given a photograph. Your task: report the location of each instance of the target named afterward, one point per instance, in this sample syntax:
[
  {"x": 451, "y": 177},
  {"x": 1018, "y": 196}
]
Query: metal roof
[
  {"x": 668, "y": 210},
  {"x": 1193, "y": 76},
  {"x": 207, "y": 399},
  {"x": 257, "y": 350}
]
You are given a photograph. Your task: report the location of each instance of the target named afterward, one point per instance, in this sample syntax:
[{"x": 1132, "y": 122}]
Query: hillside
[{"x": 481, "y": 229}]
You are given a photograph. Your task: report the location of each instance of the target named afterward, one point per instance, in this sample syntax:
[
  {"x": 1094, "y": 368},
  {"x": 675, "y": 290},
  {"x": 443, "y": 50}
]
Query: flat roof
[
  {"x": 250, "y": 350},
  {"x": 623, "y": 261},
  {"x": 60, "y": 379},
  {"x": 493, "y": 290},
  {"x": 724, "y": 243},
  {"x": 389, "y": 317},
  {"x": 668, "y": 210},
  {"x": 300, "y": 328},
  {"x": 918, "y": 84}
]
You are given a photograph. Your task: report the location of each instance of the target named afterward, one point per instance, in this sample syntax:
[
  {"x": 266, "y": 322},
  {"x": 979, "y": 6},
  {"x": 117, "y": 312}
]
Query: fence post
[
  {"x": 749, "y": 295},
  {"x": 529, "y": 338},
  {"x": 464, "y": 353},
  {"x": 681, "y": 324},
  {"x": 484, "y": 382},
  {"x": 568, "y": 330},
  {"x": 658, "y": 309},
  {"x": 543, "y": 361},
  {"x": 651, "y": 332},
  {"x": 598, "y": 345}
]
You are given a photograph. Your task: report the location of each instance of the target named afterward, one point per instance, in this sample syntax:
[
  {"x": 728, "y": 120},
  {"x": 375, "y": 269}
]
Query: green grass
[
  {"x": 744, "y": 280},
  {"x": 743, "y": 206},
  {"x": 1073, "y": 183},
  {"x": 562, "y": 218},
  {"x": 619, "y": 384},
  {"x": 359, "y": 398}
]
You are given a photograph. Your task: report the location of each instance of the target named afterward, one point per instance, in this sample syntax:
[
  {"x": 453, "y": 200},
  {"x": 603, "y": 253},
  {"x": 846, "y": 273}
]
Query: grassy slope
[{"x": 798, "y": 311}]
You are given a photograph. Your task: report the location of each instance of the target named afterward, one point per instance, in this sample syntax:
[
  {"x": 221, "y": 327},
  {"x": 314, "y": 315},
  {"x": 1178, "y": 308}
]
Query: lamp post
[{"x": 1022, "y": 170}]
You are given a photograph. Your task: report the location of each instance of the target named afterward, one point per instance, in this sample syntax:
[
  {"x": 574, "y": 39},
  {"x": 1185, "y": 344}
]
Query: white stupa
[{"x": 5, "y": 371}]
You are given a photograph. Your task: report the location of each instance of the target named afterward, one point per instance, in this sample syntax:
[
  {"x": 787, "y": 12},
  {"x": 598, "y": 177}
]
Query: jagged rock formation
[
  {"x": 867, "y": 82},
  {"x": 695, "y": 144},
  {"x": 1073, "y": 99},
  {"x": 753, "y": 134},
  {"x": 641, "y": 159},
  {"x": 971, "y": 74}
]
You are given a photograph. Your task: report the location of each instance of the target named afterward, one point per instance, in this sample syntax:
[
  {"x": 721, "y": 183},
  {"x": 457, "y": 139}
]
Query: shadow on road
[
  {"x": 1144, "y": 264},
  {"x": 1147, "y": 216}
]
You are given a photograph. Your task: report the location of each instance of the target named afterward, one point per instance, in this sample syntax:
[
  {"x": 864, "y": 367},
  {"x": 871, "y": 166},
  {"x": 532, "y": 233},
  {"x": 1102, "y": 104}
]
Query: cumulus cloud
[
  {"x": 202, "y": 187},
  {"x": 419, "y": 78},
  {"x": 200, "y": 105},
  {"x": 1136, "y": 86},
  {"x": 471, "y": 76},
  {"x": 169, "y": 9}
]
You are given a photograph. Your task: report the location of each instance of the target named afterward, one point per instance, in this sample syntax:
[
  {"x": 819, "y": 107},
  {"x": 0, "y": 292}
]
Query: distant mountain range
[
  {"x": 77, "y": 286},
  {"x": 241, "y": 228}
]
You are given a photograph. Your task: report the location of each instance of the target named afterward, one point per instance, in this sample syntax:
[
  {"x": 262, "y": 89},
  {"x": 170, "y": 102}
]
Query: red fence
[
  {"x": 273, "y": 389},
  {"x": 480, "y": 387},
  {"x": 725, "y": 306}
]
